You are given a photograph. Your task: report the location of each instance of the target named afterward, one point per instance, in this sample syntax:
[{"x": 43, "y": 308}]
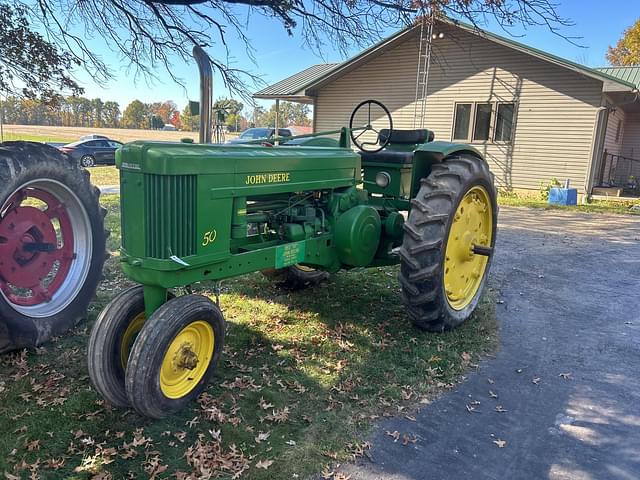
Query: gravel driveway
[{"x": 563, "y": 392}]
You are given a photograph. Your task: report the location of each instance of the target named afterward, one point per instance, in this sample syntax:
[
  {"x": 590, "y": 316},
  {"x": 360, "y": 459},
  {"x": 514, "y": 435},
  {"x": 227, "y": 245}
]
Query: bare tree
[
  {"x": 29, "y": 63},
  {"x": 148, "y": 33}
]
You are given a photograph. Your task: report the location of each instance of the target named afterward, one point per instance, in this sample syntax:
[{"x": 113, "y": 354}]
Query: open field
[
  {"x": 302, "y": 377},
  {"x": 71, "y": 134}
]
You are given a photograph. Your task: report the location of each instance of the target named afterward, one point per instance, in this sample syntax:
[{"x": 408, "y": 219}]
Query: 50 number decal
[{"x": 209, "y": 237}]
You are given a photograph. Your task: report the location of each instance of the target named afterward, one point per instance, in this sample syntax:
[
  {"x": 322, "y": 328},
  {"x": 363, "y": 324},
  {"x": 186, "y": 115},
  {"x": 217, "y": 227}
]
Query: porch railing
[{"x": 619, "y": 171}]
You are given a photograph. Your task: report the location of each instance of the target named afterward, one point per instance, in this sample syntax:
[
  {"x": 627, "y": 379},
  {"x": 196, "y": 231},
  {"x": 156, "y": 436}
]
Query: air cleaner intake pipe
[{"x": 206, "y": 92}]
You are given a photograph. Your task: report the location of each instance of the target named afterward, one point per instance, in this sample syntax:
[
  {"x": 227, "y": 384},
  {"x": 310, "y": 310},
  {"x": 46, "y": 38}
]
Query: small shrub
[{"x": 546, "y": 187}]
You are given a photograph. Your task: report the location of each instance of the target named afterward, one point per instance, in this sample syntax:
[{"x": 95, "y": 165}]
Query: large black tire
[
  {"x": 35, "y": 167},
  {"x": 110, "y": 343},
  {"x": 296, "y": 277},
  {"x": 422, "y": 267},
  {"x": 161, "y": 343}
]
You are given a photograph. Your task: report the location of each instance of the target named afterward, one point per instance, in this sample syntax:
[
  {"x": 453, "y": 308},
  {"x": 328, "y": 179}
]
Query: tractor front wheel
[
  {"x": 112, "y": 337},
  {"x": 448, "y": 243},
  {"x": 174, "y": 355}
]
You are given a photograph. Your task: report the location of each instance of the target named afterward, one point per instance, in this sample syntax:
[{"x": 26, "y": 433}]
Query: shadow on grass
[{"x": 302, "y": 377}]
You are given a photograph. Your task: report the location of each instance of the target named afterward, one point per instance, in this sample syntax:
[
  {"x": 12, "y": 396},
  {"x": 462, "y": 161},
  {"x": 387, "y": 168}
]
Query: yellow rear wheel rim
[
  {"x": 129, "y": 336},
  {"x": 187, "y": 359},
  {"x": 472, "y": 225}
]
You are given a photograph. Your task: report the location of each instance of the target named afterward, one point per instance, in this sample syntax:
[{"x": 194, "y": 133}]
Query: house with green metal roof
[{"x": 534, "y": 116}]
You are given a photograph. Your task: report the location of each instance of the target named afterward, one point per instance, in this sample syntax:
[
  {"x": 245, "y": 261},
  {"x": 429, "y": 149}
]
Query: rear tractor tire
[
  {"x": 52, "y": 243},
  {"x": 448, "y": 243},
  {"x": 297, "y": 277},
  {"x": 174, "y": 355}
]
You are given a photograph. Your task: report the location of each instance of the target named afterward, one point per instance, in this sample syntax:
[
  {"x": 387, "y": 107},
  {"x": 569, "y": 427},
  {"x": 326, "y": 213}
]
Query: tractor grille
[{"x": 170, "y": 206}]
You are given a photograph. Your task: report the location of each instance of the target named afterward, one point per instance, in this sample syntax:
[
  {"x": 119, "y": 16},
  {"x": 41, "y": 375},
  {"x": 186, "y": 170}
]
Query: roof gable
[
  {"x": 295, "y": 85},
  {"x": 303, "y": 84}
]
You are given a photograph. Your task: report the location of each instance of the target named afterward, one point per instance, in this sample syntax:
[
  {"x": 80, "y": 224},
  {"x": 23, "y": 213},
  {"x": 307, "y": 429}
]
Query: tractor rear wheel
[
  {"x": 448, "y": 243},
  {"x": 52, "y": 243},
  {"x": 297, "y": 277},
  {"x": 112, "y": 337},
  {"x": 174, "y": 355}
]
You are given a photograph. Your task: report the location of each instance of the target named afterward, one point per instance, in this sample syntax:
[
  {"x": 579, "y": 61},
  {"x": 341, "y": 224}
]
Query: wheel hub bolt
[{"x": 187, "y": 358}]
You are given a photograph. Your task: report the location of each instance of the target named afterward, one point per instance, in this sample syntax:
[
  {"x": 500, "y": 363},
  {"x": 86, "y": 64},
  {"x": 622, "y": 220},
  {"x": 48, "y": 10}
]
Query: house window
[
  {"x": 618, "y": 131},
  {"x": 473, "y": 122},
  {"x": 462, "y": 121},
  {"x": 482, "y": 122},
  {"x": 504, "y": 122}
]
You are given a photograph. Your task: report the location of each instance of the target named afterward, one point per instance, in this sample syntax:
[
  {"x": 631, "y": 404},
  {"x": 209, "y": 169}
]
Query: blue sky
[{"x": 279, "y": 55}]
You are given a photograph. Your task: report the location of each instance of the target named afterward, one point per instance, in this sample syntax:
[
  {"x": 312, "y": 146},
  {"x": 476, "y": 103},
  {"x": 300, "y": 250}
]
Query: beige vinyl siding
[
  {"x": 555, "y": 107},
  {"x": 631, "y": 146},
  {"x": 631, "y": 136},
  {"x": 610, "y": 144}
]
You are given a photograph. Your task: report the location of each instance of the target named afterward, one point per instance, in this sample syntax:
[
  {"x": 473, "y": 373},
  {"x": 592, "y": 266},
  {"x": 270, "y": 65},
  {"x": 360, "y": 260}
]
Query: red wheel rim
[{"x": 36, "y": 246}]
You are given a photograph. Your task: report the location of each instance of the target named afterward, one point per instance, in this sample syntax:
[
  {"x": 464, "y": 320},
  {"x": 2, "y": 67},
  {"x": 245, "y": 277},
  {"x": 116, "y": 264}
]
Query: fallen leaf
[
  {"x": 341, "y": 476},
  {"x": 193, "y": 422},
  {"x": 262, "y": 436},
  {"x": 264, "y": 464},
  {"x": 264, "y": 405},
  {"x": 406, "y": 439},
  {"x": 395, "y": 434},
  {"x": 326, "y": 474}
]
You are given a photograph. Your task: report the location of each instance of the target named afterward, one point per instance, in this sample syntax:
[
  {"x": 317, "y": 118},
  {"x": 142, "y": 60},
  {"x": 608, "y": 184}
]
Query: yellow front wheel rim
[
  {"x": 187, "y": 359},
  {"x": 129, "y": 336},
  {"x": 472, "y": 225}
]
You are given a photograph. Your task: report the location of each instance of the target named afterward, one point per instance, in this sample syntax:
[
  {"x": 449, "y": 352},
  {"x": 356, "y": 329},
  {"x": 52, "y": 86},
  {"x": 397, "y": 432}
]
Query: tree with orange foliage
[{"x": 627, "y": 50}]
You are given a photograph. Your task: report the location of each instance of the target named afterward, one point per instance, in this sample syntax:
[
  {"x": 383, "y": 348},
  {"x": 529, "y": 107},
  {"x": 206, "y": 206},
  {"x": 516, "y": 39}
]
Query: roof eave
[{"x": 288, "y": 98}]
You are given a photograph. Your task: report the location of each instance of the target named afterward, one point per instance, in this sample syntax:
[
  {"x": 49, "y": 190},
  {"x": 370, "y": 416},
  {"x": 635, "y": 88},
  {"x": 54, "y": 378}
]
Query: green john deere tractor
[{"x": 297, "y": 211}]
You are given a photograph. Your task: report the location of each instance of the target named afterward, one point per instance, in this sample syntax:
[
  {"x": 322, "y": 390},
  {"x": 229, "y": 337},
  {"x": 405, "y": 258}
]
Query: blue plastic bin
[{"x": 563, "y": 196}]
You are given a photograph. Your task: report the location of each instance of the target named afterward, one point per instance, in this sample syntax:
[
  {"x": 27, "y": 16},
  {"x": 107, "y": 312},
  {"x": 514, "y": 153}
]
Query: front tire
[
  {"x": 110, "y": 343},
  {"x": 174, "y": 355},
  {"x": 453, "y": 215},
  {"x": 52, "y": 243}
]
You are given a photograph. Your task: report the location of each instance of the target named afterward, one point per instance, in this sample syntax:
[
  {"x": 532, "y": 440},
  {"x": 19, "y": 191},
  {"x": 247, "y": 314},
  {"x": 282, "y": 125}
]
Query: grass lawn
[
  {"x": 596, "y": 206},
  {"x": 102, "y": 176},
  {"x": 10, "y": 137},
  {"x": 302, "y": 377}
]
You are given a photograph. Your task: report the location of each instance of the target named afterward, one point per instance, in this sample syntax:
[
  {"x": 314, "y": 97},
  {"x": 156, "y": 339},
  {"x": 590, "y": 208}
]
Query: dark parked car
[
  {"x": 93, "y": 152},
  {"x": 259, "y": 133},
  {"x": 94, "y": 136}
]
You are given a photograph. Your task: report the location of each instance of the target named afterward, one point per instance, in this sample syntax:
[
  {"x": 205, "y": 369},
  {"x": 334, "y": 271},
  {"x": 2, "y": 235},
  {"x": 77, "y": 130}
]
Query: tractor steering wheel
[{"x": 368, "y": 126}]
